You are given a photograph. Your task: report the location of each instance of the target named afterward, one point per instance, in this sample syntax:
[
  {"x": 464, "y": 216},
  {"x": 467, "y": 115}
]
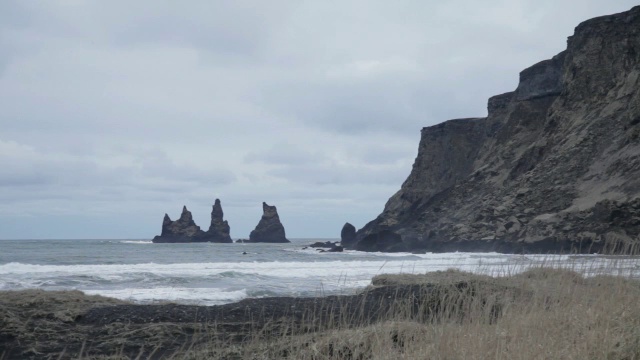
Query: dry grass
[{"x": 540, "y": 314}]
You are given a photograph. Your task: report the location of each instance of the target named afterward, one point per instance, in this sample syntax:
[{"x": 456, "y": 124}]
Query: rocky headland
[
  {"x": 269, "y": 228},
  {"x": 185, "y": 230},
  {"x": 553, "y": 167}
]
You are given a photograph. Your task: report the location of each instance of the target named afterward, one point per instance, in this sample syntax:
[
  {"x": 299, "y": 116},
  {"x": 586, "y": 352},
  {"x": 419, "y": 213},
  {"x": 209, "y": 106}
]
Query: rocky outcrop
[
  {"x": 185, "y": 230},
  {"x": 219, "y": 229},
  {"x": 269, "y": 229},
  {"x": 347, "y": 235},
  {"x": 180, "y": 231},
  {"x": 327, "y": 246},
  {"x": 554, "y": 167}
]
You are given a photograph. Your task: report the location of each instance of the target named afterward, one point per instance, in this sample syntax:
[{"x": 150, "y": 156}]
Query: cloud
[{"x": 113, "y": 113}]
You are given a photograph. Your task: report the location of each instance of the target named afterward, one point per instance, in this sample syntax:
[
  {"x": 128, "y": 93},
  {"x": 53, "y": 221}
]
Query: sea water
[{"x": 210, "y": 274}]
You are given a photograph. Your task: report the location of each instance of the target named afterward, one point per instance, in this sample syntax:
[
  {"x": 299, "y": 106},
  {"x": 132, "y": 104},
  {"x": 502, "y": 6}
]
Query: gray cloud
[{"x": 113, "y": 113}]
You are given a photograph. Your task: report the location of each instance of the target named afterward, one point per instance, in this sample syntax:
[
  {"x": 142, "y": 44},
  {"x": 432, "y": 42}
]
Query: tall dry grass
[{"x": 541, "y": 313}]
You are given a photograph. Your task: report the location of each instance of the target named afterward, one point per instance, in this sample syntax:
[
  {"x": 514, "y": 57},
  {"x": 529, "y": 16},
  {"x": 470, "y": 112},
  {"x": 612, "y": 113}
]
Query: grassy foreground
[{"x": 542, "y": 313}]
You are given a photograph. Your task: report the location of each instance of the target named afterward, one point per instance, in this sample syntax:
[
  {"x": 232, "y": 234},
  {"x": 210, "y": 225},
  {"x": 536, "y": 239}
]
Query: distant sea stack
[
  {"x": 269, "y": 229},
  {"x": 219, "y": 229},
  {"x": 182, "y": 230},
  {"x": 554, "y": 167},
  {"x": 185, "y": 230},
  {"x": 347, "y": 235}
]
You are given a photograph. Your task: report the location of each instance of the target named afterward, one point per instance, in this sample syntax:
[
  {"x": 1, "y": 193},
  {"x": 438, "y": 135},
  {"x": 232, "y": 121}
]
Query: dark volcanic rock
[
  {"x": 185, "y": 229},
  {"x": 554, "y": 167},
  {"x": 348, "y": 234},
  {"x": 182, "y": 230},
  {"x": 327, "y": 246},
  {"x": 320, "y": 244},
  {"x": 269, "y": 229},
  {"x": 219, "y": 228}
]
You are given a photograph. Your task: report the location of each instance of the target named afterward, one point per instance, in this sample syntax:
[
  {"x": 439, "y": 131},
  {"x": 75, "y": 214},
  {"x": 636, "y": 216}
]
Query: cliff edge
[{"x": 554, "y": 167}]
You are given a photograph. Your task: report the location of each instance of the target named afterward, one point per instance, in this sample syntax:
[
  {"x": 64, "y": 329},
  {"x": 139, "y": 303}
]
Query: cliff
[{"x": 554, "y": 167}]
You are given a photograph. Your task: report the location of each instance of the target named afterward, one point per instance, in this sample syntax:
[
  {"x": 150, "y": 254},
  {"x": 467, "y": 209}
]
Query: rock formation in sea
[
  {"x": 185, "y": 230},
  {"x": 347, "y": 235},
  {"x": 219, "y": 229},
  {"x": 554, "y": 167},
  {"x": 182, "y": 230},
  {"x": 269, "y": 229}
]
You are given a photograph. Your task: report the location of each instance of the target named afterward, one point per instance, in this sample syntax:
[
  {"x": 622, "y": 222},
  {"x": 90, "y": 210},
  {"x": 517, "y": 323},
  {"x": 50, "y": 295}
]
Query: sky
[{"x": 113, "y": 113}]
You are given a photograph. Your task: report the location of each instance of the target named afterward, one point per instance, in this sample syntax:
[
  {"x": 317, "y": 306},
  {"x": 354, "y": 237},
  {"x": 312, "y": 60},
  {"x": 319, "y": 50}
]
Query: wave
[
  {"x": 196, "y": 296},
  {"x": 418, "y": 263},
  {"x": 135, "y": 242}
]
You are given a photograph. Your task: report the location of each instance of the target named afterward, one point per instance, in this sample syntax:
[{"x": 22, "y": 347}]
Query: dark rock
[
  {"x": 327, "y": 246},
  {"x": 348, "y": 234},
  {"x": 541, "y": 79},
  {"x": 185, "y": 230},
  {"x": 554, "y": 167},
  {"x": 320, "y": 244},
  {"x": 182, "y": 230},
  {"x": 269, "y": 229},
  {"x": 219, "y": 228},
  {"x": 382, "y": 241}
]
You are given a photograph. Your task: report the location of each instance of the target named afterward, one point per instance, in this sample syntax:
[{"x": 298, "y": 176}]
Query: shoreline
[{"x": 38, "y": 324}]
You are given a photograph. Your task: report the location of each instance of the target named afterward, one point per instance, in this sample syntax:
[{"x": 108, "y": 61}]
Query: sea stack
[
  {"x": 180, "y": 231},
  {"x": 347, "y": 235},
  {"x": 219, "y": 229},
  {"x": 269, "y": 229}
]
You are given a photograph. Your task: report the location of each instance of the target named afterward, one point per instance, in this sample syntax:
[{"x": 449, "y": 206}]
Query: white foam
[
  {"x": 200, "y": 296},
  {"x": 311, "y": 269},
  {"x": 224, "y": 280},
  {"x": 136, "y": 242}
]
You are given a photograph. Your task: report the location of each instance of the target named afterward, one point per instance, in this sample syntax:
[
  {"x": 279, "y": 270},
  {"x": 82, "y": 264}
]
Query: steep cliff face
[{"x": 555, "y": 166}]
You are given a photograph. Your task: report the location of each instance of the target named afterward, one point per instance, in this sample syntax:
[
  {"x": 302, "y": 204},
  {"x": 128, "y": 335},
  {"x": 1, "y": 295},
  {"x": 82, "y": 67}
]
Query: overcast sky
[{"x": 115, "y": 112}]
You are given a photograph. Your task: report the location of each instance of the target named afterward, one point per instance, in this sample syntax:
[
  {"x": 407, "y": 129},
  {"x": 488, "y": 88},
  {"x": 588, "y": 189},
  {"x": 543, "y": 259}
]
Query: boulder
[{"x": 269, "y": 228}]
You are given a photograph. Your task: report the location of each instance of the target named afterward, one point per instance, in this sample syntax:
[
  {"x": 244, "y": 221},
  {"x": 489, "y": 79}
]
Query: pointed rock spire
[
  {"x": 182, "y": 230},
  {"x": 269, "y": 229},
  {"x": 219, "y": 228}
]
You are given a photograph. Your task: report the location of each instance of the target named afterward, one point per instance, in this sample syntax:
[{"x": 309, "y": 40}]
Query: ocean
[{"x": 211, "y": 274}]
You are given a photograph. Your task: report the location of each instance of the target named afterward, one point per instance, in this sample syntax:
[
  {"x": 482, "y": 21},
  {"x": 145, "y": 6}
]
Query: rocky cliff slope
[
  {"x": 185, "y": 229},
  {"x": 269, "y": 228},
  {"x": 554, "y": 167}
]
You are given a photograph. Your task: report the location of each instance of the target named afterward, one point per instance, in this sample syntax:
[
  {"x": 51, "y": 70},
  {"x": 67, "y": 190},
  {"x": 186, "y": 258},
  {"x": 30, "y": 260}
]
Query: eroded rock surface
[
  {"x": 219, "y": 228},
  {"x": 269, "y": 229},
  {"x": 554, "y": 167},
  {"x": 182, "y": 230},
  {"x": 185, "y": 230},
  {"x": 347, "y": 235}
]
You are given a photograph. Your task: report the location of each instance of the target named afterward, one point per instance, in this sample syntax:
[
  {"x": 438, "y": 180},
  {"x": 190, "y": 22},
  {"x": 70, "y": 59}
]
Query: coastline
[{"x": 37, "y": 324}]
